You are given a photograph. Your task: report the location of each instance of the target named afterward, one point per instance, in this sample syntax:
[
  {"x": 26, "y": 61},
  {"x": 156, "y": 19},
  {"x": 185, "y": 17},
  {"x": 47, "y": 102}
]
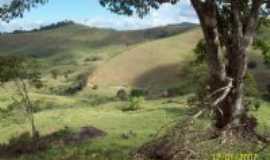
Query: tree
[
  {"x": 22, "y": 73},
  {"x": 229, "y": 27}
]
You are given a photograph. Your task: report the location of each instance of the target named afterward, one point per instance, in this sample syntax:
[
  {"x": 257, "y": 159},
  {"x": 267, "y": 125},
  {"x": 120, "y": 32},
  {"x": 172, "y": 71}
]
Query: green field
[{"x": 109, "y": 60}]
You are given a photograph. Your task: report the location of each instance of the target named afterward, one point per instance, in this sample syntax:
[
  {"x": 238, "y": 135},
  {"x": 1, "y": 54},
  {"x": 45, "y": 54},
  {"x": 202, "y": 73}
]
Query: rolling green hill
[
  {"x": 70, "y": 38},
  {"x": 151, "y": 64}
]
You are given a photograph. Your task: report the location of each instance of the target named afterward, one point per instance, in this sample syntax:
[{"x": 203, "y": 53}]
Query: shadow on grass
[
  {"x": 25, "y": 144},
  {"x": 176, "y": 111},
  {"x": 160, "y": 76}
]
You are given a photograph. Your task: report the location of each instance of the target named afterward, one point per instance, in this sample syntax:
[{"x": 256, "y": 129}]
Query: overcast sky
[{"x": 89, "y": 12}]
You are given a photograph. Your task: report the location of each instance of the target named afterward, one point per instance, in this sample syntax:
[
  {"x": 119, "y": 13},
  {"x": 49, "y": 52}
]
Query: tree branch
[
  {"x": 226, "y": 90},
  {"x": 237, "y": 24},
  {"x": 252, "y": 21}
]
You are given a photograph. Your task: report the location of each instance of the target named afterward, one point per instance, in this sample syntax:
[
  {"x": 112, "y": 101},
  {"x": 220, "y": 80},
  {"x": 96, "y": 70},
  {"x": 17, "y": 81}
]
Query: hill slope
[
  {"x": 149, "y": 64},
  {"x": 46, "y": 43},
  {"x": 158, "y": 64}
]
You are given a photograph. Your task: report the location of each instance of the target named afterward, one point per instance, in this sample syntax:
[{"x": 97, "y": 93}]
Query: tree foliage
[
  {"x": 16, "y": 8},
  {"x": 14, "y": 68},
  {"x": 200, "y": 51},
  {"x": 264, "y": 47},
  {"x": 129, "y": 7},
  {"x": 22, "y": 73}
]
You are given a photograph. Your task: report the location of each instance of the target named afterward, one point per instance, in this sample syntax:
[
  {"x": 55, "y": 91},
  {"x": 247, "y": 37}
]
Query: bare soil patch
[{"x": 24, "y": 144}]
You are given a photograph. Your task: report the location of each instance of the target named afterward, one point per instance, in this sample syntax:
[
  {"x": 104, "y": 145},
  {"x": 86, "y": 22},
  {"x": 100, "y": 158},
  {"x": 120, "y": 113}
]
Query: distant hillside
[
  {"x": 45, "y": 27},
  {"x": 152, "y": 64},
  {"x": 64, "y": 38}
]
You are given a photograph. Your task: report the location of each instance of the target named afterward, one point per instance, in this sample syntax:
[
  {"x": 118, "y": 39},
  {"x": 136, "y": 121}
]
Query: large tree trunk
[
  {"x": 216, "y": 66},
  {"x": 227, "y": 71},
  {"x": 232, "y": 110}
]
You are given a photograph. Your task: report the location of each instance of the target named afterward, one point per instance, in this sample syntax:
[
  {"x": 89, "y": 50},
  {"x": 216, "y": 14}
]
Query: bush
[
  {"x": 250, "y": 88},
  {"x": 135, "y": 103},
  {"x": 252, "y": 104},
  {"x": 122, "y": 95},
  {"x": 67, "y": 73},
  {"x": 268, "y": 89},
  {"x": 93, "y": 59},
  {"x": 74, "y": 88},
  {"x": 138, "y": 92},
  {"x": 96, "y": 100},
  {"x": 24, "y": 138},
  {"x": 95, "y": 87},
  {"x": 55, "y": 73},
  {"x": 200, "y": 51},
  {"x": 252, "y": 64},
  {"x": 267, "y": 93},
  {"x": 79, "y": 83},
  {"x": 173, "y": 92}
]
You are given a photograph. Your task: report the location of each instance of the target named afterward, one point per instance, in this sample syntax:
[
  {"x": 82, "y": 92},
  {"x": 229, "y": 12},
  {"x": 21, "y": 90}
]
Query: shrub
[
  {"x": 268, "y": 89},
  {"x": 55, "y": 73},
  {"x": 250, "y": 88},
  {"x": 82, "y": 79},
  {"x": 67, "y": 73},
  {"x": 200, "y": 51},
  {"x": 135, "y": 103},
  {"x": 79, "y": 83},
  {"x": 252, "y": 104},
  {"x": 24, "y": 138},
  {"x": 74, "y": 88},
  {"x": 96, "y": 100},
  {"x": 93, "y": 59},
  {"x": 173, "y": 92},
  {"x": 138, "y": 92},
  {"x": 252, "y": 64},
  {"x": 95, "y": 87},
  {"x": 122, "y": 95}
]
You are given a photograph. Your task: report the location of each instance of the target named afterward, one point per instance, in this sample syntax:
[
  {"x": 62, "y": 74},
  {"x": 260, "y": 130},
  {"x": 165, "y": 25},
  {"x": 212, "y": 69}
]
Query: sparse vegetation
[
  {"x": 265, "y": 49},
  {"x": 138, "y": 92},
  {"x": 122, "y": 95},
  {"x": 55, "y": 73},
  {"x": 251, "y": 89},
  {"x": 134, "y": 104},
  {"x": 93, "y": 59}
]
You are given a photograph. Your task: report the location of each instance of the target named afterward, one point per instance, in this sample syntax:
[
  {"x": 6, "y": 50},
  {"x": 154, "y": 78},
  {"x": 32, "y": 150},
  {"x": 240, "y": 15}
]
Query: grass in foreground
[
  {"x": 109, "y": 117},
  {"x": 74, "y": 113}
]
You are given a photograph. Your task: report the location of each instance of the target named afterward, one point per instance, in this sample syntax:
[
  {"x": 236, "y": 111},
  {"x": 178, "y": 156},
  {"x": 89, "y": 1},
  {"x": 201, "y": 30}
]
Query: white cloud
[
  {"x": 19, "y": 25},
  {"x": 166, "y": 14}
]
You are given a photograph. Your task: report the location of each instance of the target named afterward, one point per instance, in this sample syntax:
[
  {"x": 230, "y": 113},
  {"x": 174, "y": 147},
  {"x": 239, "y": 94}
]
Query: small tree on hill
[{"x": 22, "y": 74}]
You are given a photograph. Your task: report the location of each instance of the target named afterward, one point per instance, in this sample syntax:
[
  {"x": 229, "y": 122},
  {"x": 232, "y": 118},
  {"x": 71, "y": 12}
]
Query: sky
[{"x": 89, "y": 12}]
